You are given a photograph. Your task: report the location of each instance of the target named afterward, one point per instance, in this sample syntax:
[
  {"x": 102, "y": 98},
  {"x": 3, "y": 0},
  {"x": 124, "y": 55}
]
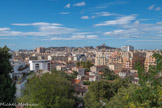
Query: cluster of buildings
[
  {"x": 42, "y": 60},
  {"x": 125, "y": 59}
]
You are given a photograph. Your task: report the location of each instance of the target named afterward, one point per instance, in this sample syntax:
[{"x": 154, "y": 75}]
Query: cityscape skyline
[{"x": 27, "y": 24}]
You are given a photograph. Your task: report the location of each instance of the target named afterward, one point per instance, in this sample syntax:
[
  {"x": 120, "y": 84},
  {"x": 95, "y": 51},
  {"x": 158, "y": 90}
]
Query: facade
[
  {"x": 131, "y": 58},
  {"x": 115, "y": 67},
  {"x": 126, "y": 59},
  {"x": 97, "y": 69},
  {"x": 40, "y": 50},
  {"x": 36, "y": 65},
  {"x": 127, "y": 48},
  {"x": 100, "y": 58},
  {"x": 79, "y": 58},
  {"x": 150, "y": 60},
  {"x": 61, "y": 68}
]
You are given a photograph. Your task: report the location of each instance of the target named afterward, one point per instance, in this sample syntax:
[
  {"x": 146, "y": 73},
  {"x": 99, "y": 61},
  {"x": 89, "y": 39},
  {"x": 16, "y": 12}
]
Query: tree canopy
[
  {"x": 86, "y": 64},
  {"x": 49, "y": 91},
  {"x": 121, "y": 94},
  {"x": 7, "y": 86},
  {"x": 100, "y": 92}
]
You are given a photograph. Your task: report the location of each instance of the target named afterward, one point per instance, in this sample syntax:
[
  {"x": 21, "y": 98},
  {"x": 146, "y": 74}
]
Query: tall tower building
[
  {"x": 127, "y": 48},
  {"x": 40, "y": 50}
]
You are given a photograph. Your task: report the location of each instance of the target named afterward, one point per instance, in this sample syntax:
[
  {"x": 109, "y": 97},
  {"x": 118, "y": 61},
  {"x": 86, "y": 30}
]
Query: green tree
[
  {"x": 147, "y": 94},
  {"x": 78, "y": 64},
  {"x": 49, "y": 91},
  {"x": 7, "y": 86},
  {"x": 124, "y": 98},
  {"x": 109, "y": 75},
  {"x": 150, "y": 83},
  {"x": 86, "y": 64},
  {"x": 100, "y": 92}
]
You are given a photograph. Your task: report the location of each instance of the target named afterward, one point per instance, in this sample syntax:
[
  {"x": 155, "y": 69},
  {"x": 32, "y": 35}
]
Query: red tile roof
[{"x": 75, "y": 81}]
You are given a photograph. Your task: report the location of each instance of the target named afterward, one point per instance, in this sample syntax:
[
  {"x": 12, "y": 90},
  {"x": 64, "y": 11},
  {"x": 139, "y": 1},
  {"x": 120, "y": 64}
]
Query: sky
[{"x": 27, "y": 24}]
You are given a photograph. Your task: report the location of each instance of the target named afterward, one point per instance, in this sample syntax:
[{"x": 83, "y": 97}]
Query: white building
[
  {"x": 61, "y": 68},
  {"x": 94, "y": 76},
  {"x": 122, "y": 74},
  {"x": 36, "y": 65},
  {"x": 80, "y": 57},
  {"x": 127, "y": 48}
]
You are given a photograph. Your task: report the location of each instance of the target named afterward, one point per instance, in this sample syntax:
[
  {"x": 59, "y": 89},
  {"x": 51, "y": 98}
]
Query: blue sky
[{"x": 26, "y": 24}]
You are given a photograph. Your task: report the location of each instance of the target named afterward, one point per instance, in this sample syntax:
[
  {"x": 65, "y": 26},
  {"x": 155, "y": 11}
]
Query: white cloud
[
  {"x": 6, "y": 38},
  {"x": 36, "y": 24},
  {"x": 48, "y": 30},
  {"x": 82, "y": 33},
  {"x": 74, "y": 38},
  {"x": 151, "y": 7},
  {"x": 144, "y": 19},
  {"x": 85, "y": 17},
  {"x": 105, "y": 14},
  {"x": 115, "y": 32},
  {"x": 158, "y": 9},
  {"x": 118, "y": 21},
  {"x": 4, "y": 29},
  {"x": 77, "y": 36},
  {"x": 154, "y": 7},
  {"x": 68, "y": 5},
  {"x": 93, "y": 17},
  {"x": 65, "y": 13},
  {"x": 144, "y": 40},
  {"x": 99, "y": 14},
  {"x": 106, "y": 5},
  {"x": 133, "y": 30},
  {"x": 80, "y": 4},
  {"x": 137, "y": 22},
  {"x": 159, "y": 23},
  {"x": 92, "y": 36},
  {"x": 44, "y": 29},
  {"x": 56, "y": 38}
]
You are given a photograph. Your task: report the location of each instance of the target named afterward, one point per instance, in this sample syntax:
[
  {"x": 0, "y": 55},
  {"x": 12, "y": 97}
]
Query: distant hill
[{"x": 104, "y": 47}]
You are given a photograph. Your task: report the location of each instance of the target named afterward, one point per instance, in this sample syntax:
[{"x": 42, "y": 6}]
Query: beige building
[
  {"x": 100, "y": 58},
  {"x": 40, "y": 50},
  {"x": 131, "y": 58},
  {"x": 149, "y": 60},
  {"x": 115, "y": 67},
  {"x": 126, "y": 59}
]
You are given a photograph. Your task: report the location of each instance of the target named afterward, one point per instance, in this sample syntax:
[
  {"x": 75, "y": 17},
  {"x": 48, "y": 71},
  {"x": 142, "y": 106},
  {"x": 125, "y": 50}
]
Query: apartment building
[
  {"x": 149, "y": 60},
  {"x": 100, "y": 58},
  {"x": 131, "y": 58},
  {"x": 40, "y": 50},
  {"x": 127, "y": 59},
  {"x": 127, "y": 48},
  {"x": 36, "y": 65}
]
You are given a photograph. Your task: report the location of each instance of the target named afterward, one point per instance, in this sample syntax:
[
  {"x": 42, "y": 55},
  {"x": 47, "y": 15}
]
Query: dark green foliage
[
  {"x": 99, "y": 93},
  {"x": 7, "y": 86},
  {"x": 74, "y": 75},
  {"x": 123, "y": 98},
  {"x": 86, "y": 82},
  {"x": 49, "y": 91},
  {"x": 147, "y": 94},
  {"x": 109, "y": 75},
  {"x": 86, "y": 64},
  {"x": 150, "y": 84},
  {"x": 121, "y": 94},
  {"x": 87, "y": 70}
]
